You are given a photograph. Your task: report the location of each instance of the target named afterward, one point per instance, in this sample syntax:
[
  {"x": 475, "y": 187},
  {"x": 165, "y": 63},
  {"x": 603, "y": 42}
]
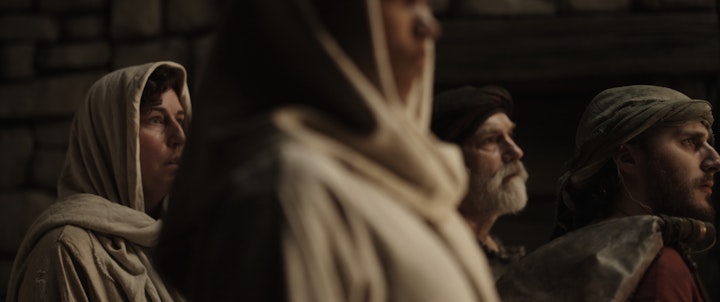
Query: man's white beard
[{"x": 488, "y": 196}]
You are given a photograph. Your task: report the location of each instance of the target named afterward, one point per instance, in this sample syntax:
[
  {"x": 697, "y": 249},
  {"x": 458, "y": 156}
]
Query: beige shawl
[
  {"x": 93, "y": 243},
  {"x": 301, "y": 125}
]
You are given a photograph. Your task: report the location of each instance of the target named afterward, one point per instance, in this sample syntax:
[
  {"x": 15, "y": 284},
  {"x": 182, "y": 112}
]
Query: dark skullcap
[
  {"x": 457, "y": 113},
  {"x": 616, "y": 116}
]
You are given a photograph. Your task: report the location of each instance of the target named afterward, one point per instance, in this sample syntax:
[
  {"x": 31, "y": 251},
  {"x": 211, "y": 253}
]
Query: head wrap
[
  {"x": 459, "y": 112},
  {"x": 616, "y": 116},
  {"x": 103, "y": 156}
]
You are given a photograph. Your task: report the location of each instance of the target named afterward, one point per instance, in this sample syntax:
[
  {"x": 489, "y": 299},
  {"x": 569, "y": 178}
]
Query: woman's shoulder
[{"x": 67, "y": 237}]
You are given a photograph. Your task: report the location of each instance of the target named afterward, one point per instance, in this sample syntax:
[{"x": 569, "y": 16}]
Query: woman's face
[
  {"x": 162, "y": 139},
  {"x": 409, "y": 24}
]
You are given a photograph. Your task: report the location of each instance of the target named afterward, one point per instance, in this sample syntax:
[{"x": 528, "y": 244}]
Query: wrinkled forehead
[
  {"x": 496, "y": 124},
  {"x": 498, "y": 121}
]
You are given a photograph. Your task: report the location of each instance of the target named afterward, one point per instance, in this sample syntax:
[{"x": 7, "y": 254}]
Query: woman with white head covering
[
  {"x": 125, "y": 145},
  {"x": 312, "y": 174}
]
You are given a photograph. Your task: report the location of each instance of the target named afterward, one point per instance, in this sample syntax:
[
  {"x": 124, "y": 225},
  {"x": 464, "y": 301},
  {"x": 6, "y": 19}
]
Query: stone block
[
  {"x": 60, "y": 6},
  {"x": 17, "y": 61},
  {"x": 47, "y": 165},
  {"x": 54, "y": 134},
  {"x": 18, "y": 210},
  {"x": 201, "y": 51},
  {"x": 28, "y": 28},
  {"x": 674, "y": 5},
  {"x": 74, "y": 56},
  {"x": 176, "y": 50},
  {"x": 190, "y": 15},
  {"x": 57, "y": 96},
  {"x": 86, "y": 27},
  {"x": 504, "y": 7},
  {"x": 439, "y": 6},
  {"x": 136, "y": 18},
  {"x": 15, "y": 5},
  {"x": 595, "y": 6},
  {"x": 15, "y": 156}
]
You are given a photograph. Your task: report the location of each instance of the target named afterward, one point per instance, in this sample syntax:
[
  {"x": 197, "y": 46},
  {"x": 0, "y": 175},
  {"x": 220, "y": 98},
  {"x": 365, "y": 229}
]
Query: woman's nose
[
  {"x": 426, "y": 26},
  {"x": 177, "y": 135},
  {"x": 711, "y": 163}
]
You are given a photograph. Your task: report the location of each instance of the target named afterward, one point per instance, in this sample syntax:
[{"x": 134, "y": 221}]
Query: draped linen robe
[{"x": 307, "y": 178}]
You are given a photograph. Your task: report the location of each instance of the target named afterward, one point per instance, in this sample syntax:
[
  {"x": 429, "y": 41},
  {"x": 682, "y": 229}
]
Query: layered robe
[{"x": 308, "y": 178}]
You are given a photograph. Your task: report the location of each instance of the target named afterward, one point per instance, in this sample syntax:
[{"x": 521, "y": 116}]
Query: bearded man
[
  {"x": 634, "y": 200},
  {"x": 478, "y": 120}
]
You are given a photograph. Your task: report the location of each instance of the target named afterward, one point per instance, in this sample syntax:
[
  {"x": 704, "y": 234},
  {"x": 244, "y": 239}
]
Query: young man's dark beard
[{"x": 672, "y": 194}]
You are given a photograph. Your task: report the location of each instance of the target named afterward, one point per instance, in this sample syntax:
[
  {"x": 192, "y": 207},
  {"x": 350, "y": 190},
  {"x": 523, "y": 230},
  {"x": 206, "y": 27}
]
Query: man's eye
[
  {"x": 488, "y": 143},
  {"x": 156, "y": 120},
  {"x": 691, "y": 142}
]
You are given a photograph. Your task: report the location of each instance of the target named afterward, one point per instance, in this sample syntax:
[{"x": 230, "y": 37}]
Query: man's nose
[
  {"x": 711, "y": 163},
  {"x": 511, "y": 151}
]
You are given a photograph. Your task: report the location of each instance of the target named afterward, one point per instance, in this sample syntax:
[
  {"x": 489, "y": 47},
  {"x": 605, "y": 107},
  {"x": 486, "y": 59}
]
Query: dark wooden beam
[{"x": 559, "y": 49}]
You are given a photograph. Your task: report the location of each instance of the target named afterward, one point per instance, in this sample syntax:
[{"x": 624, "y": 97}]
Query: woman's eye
[{"x": 156, "y": 120}]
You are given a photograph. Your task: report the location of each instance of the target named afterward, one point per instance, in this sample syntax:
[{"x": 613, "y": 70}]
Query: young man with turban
[{"x": 635, "y": 196}]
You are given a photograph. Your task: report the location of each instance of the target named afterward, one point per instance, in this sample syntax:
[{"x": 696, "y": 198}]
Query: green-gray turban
[{"x": 616, "y": 116}]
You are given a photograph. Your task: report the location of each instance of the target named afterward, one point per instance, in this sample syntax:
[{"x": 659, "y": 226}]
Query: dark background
[{"x": 553, "y": 56}]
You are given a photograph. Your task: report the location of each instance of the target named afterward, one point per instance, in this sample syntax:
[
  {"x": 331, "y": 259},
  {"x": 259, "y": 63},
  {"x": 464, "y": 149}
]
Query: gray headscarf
[{"x": 614, "y": 117}]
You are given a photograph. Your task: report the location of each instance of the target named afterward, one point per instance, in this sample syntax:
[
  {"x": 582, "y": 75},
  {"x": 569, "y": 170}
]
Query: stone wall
[{"x": 51, "y": 51}]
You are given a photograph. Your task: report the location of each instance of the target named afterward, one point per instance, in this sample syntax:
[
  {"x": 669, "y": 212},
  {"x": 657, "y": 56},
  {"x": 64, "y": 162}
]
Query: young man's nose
[{"x": 711, "y": 163}]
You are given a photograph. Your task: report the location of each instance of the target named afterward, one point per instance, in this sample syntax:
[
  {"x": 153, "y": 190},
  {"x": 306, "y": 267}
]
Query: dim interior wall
[{"x": 52, "y": 51}]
